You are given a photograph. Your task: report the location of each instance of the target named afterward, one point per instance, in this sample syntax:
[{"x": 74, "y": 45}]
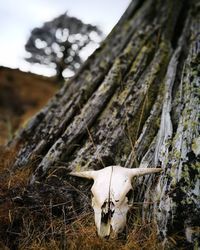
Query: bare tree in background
[{"x": 58, "y": 43}]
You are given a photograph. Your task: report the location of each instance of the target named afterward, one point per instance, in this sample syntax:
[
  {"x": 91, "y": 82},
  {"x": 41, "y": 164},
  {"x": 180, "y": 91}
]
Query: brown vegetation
[
  {"x": 31, "y": 223},
  {"x": 38, "y": 227},
  {"x": 21, "y": 95},
  {"x": 35, "y": 225}
]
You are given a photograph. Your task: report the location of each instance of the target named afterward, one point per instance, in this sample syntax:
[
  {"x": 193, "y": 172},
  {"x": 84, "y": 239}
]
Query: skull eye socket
[{"x": 129, "y": 196}]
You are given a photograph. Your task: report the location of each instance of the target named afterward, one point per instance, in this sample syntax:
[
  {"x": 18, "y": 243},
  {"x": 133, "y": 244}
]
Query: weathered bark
[{"x": 135, "y": 102}]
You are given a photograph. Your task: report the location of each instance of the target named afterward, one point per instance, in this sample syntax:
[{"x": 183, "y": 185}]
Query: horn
[
  {"x": 86, "y": 174},
  {"x": 134, "y": 172}
]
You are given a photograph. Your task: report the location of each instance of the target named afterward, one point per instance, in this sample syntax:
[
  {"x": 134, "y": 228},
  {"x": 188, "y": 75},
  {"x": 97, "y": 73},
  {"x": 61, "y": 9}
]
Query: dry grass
[
  {"x": 11, "y": 179},
  {"x": 39, "y": 229},
  {"x": 81, "y": 234},
  {"x": 11, "y": 184},
  {"x": 141, "y": 236},
  {"x": 30, "y": 227}
]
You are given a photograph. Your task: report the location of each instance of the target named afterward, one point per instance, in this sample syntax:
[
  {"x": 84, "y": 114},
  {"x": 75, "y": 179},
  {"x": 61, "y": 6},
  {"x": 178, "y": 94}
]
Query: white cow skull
[{"x": 111, "y": 189}]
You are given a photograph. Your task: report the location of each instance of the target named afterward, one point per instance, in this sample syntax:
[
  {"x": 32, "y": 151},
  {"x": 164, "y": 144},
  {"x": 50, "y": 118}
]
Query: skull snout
[
  {"x": 113, "y": 220},
  {"x": 107, "y": 211}
]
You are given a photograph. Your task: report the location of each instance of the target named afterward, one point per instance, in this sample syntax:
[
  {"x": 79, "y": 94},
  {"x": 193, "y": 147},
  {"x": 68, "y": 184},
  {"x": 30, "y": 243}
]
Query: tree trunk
[
  {"x": 135, "y": 102},
  {"x": 59, "y": 71}
]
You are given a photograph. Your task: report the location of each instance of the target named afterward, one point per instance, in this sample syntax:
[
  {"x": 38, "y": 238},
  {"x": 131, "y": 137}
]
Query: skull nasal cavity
[{"x": 107, "y": 211}]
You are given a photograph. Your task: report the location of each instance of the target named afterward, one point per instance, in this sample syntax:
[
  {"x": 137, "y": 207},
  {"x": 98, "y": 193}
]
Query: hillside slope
[{"x": 22, "y": 94}]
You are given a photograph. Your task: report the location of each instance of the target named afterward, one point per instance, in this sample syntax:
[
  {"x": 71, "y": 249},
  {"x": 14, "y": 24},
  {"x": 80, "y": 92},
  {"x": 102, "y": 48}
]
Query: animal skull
[{"x": 110, "y": 201}]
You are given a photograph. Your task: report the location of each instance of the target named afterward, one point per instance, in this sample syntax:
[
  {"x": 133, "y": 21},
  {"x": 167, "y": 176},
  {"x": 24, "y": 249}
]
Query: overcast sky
[{"x": 19, "y": 17}]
